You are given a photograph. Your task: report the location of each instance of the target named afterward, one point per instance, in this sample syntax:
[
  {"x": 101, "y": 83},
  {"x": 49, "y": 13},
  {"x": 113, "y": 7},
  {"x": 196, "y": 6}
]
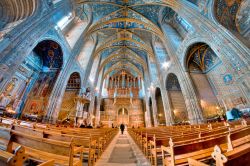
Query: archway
[
  {"x": 160, "y": 108},
  {"x": 151, "y": 111},
  {"x": 44, "y": 65},
  {"x": 68, "y": 107},
  {"x": 123, "y": 116},
  {"x": 201, "y": 61},
  {"x": 176, "y": 99}
]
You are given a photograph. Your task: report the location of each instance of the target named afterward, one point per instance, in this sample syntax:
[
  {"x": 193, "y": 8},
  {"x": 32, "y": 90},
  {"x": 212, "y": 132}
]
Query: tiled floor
[{"x": 122, "y": 151}]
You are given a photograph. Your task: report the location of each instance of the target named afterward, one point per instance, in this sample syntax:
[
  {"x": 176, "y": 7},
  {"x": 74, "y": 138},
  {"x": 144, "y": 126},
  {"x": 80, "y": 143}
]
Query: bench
[
  {"x": 201, "y": 150},
  {"x": 42, "y": 149},
  {"x": 15, "y": 159}
]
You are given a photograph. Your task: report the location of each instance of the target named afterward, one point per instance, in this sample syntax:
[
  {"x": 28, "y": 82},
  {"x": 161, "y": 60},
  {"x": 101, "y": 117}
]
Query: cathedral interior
[{"x": 147, "y": 64}]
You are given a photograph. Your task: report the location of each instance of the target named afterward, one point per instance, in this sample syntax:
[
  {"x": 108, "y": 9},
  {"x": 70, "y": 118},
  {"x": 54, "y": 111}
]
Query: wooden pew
[
  {"x": 47, "y": 163},
  {"x": 178, "y": 153},
  {"x": 201, "y": 150},
  {"x": 16, "y": 159},
  {"x": 81, "y": 136},
  {"x": 42, "y": 149},
  {"x": 102, "y": 136},
  {"x": 87, "y": 142},
  {"x": 239, "y": 156}
]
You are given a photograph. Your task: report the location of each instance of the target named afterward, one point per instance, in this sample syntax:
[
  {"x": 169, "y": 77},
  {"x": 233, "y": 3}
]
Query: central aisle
[{"x": 122, "y": 151}]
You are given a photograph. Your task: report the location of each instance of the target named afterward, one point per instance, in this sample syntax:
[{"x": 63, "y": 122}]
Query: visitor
[
  {"x": 122, "y": 127},
  {"x": 236, "y": 113},
  {"x": 229, "y": 116},
  {"x": 82, "y": 125},
  {"x": 89, "y": 126}
]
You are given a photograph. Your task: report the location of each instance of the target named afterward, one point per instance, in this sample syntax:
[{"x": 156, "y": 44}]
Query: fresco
[
  {"x": 202, "y": 58},
  {"x": 243, "y": 19},
  {"x": 51, "y": 54},
  {"x": 161, "y": 52},
  {"x": 69, "y": 104},
  {"x": 38, "y": 97},
  {"x": 194, "y": 1},
  {"x": 85, "y": 53},
  {"x": 150, "y": 12},
  {"x": 46, "y": 61},
  {"x": 173, "y": 83},
  {"x": 234, "y": 15},
  {"x": 228, "y": 78}
]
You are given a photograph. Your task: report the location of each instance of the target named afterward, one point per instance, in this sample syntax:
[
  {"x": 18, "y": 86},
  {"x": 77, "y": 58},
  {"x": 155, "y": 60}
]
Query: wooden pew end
[{"x": 218, "y": 156}]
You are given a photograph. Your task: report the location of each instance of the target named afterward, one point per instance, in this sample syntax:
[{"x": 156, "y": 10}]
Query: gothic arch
[
  {"x": 151, "y": 112},
  {"x": 200, "y": 61},
  {"x": 123, "y": 115},
  {"x": 45, "y": 62},
  {"x": 160, "y": 107},
  {"x": 177, "y": 100},
  {"x": 72, "y": 90}
]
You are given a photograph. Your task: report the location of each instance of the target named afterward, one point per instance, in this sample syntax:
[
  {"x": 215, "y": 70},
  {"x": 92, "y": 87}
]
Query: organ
[{"x": 123, "y": 84}]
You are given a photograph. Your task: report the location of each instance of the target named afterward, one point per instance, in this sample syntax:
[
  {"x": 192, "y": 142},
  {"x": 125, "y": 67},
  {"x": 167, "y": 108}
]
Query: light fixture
[
  {"x": 166, "y": 65},
  {"x": 91, "y": 79}
]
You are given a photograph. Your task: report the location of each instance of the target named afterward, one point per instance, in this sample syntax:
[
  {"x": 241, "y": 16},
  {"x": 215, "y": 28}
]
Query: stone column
[
  {"x": 112, "y": 83},
  {"x": 98, "y": 114},
  {"x": 123, "y": 81},
  {"x": 155, "y": 112}
]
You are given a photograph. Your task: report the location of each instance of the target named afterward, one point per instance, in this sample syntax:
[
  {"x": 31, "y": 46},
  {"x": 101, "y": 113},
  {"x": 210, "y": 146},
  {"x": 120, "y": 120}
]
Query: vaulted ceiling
[{"x": 125, "y": 29}]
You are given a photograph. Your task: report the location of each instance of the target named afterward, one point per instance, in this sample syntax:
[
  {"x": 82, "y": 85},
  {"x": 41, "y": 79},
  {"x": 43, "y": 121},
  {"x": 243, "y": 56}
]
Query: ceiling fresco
[
  {"x": 201, "y": 58},
  {"x": 126, "y": 30}
]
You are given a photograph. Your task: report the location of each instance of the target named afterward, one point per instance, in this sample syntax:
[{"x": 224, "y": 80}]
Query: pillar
[{"x": 154, "y": 106}]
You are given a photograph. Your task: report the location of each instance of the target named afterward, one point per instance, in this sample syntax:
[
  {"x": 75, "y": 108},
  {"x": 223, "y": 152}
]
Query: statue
[
  {"x": 4, "y": 101},
  {"x": 11, "y": 86}
]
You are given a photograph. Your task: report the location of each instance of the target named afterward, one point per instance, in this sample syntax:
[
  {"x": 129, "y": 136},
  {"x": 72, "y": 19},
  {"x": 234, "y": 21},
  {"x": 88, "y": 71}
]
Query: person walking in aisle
[{"x": 122, "y": 127}]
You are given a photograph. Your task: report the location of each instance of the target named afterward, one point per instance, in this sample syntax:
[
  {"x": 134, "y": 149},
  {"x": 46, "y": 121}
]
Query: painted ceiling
[{"x": 125, "y": 31}]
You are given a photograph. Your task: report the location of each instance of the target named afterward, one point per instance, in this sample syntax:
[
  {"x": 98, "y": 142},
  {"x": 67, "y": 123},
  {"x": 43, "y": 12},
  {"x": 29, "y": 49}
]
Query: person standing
[{"x": 122, "y": 127}]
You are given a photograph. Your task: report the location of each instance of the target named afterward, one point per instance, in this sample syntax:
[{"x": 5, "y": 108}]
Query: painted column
[
  {"x": 155, "y": 112},
  {"x": 112, "y": 83}
]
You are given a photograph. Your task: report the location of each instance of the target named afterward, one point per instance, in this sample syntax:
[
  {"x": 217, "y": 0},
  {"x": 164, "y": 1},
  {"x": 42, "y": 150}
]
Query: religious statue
[
  {"x": 11, "y": 86},
  {"x": 4, "y": 100}
]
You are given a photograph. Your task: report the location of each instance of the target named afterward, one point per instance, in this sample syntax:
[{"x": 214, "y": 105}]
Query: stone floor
[{"x": 122, "y": 151}]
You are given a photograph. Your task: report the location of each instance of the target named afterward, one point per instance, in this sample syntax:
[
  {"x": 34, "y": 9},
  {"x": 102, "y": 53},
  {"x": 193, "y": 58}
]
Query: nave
[
  {"x": 36, "y": 144},
  {"x": 122, "y": 151},
  {"x": 176, "y": 73}
]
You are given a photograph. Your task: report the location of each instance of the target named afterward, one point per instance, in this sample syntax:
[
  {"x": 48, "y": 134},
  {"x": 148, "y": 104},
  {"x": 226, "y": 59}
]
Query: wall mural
[
  {"x": 176, "y": 21},
  {"x": 233, "y": 15},
  {"x": 85, "y": 53},
  {"x": 160, "y": 108},
  {"x": 47, "y": 59},
  {"x": 243, "y": 19},
  {"x": 173, "y": 83},
  {"x": 201, "y": 60},
  {"x": 177, "y": 101},
  {"x": 161, "y": 52},
  {"x": 69, "y": 103},
  {"x": 194, "y": 1},
  {"x": 51, "y": 54}
]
